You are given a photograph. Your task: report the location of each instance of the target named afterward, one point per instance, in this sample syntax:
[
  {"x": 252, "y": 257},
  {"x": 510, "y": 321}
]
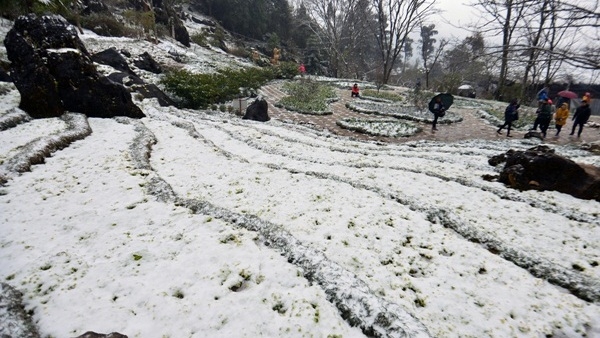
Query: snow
[{"x": 200, "y": 224}]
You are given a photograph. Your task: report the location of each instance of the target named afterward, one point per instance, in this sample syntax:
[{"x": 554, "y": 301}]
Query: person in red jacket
[{"x": 355, "y": 91}]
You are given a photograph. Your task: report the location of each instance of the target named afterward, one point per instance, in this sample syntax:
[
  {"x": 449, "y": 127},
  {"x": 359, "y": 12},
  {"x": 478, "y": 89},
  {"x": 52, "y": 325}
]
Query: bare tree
[
  {"x": 396, "y": 19},
  {"x": 540, "y": 36},
  {"x": 339, "y": 29},
  {"x": 504, "y": 17},
  {"x": 429, "y": 54}
]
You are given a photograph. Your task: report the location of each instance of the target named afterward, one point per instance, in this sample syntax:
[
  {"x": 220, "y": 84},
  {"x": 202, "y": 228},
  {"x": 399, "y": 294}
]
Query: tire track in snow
[
  {"x": 505, "y": 194},
  {"x": 37, "y": 150},
  {"x": 582, "y": 286},
  {"x": 356, "y": 302}
]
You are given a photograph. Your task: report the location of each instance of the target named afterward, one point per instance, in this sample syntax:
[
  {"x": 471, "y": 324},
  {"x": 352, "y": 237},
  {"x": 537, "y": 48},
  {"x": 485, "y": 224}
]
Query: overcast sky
[{"x": 453, "y": 14}]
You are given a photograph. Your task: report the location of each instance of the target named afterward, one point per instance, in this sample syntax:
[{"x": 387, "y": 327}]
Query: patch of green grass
[{"x": 387, "y": 95}]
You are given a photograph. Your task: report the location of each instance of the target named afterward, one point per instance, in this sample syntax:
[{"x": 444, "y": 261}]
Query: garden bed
[
  {"x": 380, "y": 127},
  {"x": 399, "y": 111}
]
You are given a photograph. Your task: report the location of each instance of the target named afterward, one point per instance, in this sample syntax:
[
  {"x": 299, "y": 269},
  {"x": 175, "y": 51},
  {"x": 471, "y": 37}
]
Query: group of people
[
  {"x": 545, "y": 115},
  {"x": 511, "y": 113}
]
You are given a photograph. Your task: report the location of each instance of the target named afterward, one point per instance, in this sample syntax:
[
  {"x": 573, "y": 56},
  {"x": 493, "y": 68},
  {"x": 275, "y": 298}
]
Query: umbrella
[
  {"x": 568, "y": 94},
  {"x": 465, "y": 87},
  {"x": 447, "y": 100}
]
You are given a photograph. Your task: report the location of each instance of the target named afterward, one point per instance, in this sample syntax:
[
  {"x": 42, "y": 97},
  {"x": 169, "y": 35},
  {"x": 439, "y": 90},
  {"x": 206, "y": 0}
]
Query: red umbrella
[{"x": 568, "y": 94}]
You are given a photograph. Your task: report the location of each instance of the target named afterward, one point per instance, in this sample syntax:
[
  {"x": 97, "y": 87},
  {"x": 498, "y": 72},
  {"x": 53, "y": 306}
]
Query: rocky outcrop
[
  {"x": 540, "y": 168},
  {"x": 146, "y": 62},
  {"x": 54, "y": 72},
  {"x": 167, "y": 15},
  {"x": 113, "y": 58},
  {"x": 125, "y": 76},
  {"x": 257, "y": 111}
]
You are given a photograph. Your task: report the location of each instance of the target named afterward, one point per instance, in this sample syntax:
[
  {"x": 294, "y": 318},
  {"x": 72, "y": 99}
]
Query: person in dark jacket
[
  {"x": 545, "y": 116},
  {"x": 510, "y": 114},
  {"x": 581, "y": 116},
  {"x": 438, "y": 111}
]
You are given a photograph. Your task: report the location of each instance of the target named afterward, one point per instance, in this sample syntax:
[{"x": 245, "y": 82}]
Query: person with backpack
[
  {"x": 511, "y": 114},
  {"x": 581, "y": 116},
  {"x": 545, "y": 116}
]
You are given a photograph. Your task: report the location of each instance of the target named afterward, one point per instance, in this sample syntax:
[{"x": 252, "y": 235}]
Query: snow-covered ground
[{"x": 198, "y": 224}]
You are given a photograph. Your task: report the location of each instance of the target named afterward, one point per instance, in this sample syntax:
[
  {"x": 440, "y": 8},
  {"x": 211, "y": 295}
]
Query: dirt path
[{"x": 472, "y": 126}]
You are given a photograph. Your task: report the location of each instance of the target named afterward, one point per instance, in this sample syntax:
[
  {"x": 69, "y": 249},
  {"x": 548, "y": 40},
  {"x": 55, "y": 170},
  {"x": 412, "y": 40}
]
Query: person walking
[
  {"x": 511, "y": 114},
  {"x": 581, "y": 116},
  {"x": 545, "y": 116},
  {"x": 355, "y": 91},
  {"x": 560, "y": 117},
  {"x": 438, "y": 110}
]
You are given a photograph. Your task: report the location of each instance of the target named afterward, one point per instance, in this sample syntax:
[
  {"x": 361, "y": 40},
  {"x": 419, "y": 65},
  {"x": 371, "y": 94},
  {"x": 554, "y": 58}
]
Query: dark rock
[
  {"x": 497, "y": 159},
  {"x": 539, "y": 168},
  {"x": 489, "y": 178},
  {"x": 91, "y": 334},
  {"x": 137, "y": 85},
  {"x": 167, "y": 15},
  {"x": 150, "y": 90},
  {"x": 206, "y": 22},
  {"x": 257, "y": 111},
  {"x": 534, "y": 134},
  {"x": 54, "y": 73},
  {"x": 15, "y": 322},
  {"x": 111, "y": 57},
  {"x": 594, "y": 147},
  {"x": 4, "y": 72},
  {"x": 125, "y": 79},
  {"x": 146, "y": 62},
  {"x": 126, "y": 53}
]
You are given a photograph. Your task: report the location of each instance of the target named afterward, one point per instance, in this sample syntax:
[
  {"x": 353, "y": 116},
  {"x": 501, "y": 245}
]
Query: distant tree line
[{"x": 534, "y": 40}]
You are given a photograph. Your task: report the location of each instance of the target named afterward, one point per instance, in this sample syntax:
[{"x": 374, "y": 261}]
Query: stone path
[{"x": 472, "y": 126}]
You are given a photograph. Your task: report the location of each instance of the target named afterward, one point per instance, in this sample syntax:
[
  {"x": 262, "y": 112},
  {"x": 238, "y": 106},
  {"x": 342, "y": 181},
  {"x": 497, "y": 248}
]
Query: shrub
[
  {"x": 287, "y": 70},
  {"x": 307, "y": 96},
  {"x": 199, "y": 39},
  {"x": 201, "y": 90}
]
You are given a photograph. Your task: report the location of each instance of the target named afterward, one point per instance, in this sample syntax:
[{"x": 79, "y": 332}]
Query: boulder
[
  {"x": 540, "y": 168},
  {"x": 257, "y": 111},
  {"x": 112, "y": 57},
  {"x": 146, "y": 62},
  {"x": 54, "y": 72}
]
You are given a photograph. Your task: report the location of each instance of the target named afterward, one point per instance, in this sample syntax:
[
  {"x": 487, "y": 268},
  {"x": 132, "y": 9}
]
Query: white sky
[
  {"x": 92, "y": 249},
  {"x": 453, "y": 14}
]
